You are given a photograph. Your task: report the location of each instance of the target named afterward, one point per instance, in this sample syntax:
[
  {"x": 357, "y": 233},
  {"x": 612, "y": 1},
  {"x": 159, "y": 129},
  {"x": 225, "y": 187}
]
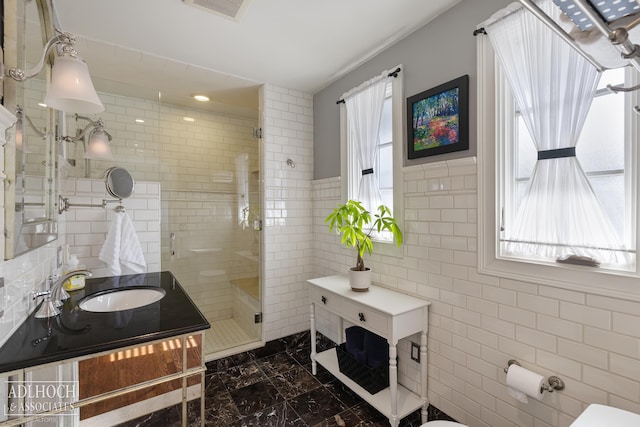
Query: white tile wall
[
  {"x": 478, "y": 322},
  {"x": 287, "y": 124},
  {"x": 24, "y": 275}
]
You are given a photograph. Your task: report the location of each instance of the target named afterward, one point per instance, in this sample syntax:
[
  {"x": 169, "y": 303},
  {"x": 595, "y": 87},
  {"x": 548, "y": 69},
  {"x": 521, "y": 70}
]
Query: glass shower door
[
  {"x": 217, "y": 263},
  {"x": 211, "y": 235}
]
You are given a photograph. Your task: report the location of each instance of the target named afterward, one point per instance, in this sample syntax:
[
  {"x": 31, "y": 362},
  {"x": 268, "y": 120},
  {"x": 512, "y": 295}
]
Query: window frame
[
  {"x": 347, "y": 155},
  {"x": 600, "y": 281}
]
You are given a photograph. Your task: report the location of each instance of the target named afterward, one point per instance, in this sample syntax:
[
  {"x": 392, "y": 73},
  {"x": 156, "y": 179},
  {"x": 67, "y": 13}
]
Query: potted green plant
[{"x": 356, "y": 225}]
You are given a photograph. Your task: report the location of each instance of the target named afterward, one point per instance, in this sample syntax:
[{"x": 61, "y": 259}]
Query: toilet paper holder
[{"x": 553, "y": 382}]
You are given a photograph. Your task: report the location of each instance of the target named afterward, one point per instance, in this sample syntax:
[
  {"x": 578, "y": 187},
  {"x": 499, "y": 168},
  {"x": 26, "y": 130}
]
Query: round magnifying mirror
[{"x": 119, "y": 182}]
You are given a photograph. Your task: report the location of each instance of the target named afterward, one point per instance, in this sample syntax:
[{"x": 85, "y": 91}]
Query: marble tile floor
[{"x": 273, "y": 386}]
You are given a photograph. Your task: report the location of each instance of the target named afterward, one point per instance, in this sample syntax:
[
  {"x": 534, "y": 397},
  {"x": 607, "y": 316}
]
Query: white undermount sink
[{"x": 121, "y": 299}]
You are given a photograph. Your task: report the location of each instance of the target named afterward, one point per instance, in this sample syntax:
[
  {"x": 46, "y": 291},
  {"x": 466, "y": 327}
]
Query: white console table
[{"x": 390, "y": 314}]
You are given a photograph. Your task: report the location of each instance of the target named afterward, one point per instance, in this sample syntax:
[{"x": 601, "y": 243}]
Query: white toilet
[
  {"x": 594, "y": 416},
  {"x": 601, "y": 415}
]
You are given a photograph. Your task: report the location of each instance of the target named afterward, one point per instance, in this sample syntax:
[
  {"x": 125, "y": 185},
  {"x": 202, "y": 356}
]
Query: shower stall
[{"x": 211, "y": 238}]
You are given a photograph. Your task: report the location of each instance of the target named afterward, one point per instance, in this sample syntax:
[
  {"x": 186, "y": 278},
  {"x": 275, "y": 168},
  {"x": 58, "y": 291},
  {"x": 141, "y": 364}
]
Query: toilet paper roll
[{"x": 522, "y": 382}]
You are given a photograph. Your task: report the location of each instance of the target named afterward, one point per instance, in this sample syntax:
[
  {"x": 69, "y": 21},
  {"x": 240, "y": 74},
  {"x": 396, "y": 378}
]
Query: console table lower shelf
[{"x": 408, "y": 401}]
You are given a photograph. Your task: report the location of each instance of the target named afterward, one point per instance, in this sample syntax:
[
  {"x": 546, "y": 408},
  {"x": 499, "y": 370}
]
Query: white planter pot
[{"x": 360, "y": 280}]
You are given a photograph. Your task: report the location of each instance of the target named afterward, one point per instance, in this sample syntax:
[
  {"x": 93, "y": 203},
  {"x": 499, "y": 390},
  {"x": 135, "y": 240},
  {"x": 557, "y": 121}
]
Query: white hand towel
[
  {"x": 121, "y": 250},
  {"x": 131, "y": 256},
  {"x": 110, "y": 252}
]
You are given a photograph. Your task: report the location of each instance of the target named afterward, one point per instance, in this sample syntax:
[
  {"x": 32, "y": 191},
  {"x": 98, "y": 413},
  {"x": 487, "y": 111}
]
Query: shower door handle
[{"x": 172, "y": 244}]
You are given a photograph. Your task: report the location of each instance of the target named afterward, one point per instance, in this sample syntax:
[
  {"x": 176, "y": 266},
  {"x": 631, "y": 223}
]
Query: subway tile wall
[
  {"x": 477, "y": 322},
  {"x": 288, "y": 240},
  {"x": 24, "y": 275}
]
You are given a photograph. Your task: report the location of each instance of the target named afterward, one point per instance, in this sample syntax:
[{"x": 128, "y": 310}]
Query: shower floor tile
[{"x": 223, "y": 335}]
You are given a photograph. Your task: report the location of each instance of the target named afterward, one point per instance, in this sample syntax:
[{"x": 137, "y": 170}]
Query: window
[
  {"x": 605, "y": 164},
  {"x": 606, "y": 152},
  {"x": 386, "y": 169}
]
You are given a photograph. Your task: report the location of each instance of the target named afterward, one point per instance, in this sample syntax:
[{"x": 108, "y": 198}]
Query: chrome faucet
[
  {"x": 58, "y": 293},
  {"x": 47, "y": 308},
  {"x": 55, "y": 296}
]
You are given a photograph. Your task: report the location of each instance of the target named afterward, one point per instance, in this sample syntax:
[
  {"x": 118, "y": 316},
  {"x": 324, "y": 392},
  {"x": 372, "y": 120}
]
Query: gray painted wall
[{"x": 442, "y": 50}]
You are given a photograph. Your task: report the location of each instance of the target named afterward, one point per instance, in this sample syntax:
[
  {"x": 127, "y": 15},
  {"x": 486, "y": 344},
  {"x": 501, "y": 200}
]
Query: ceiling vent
[{"x": 229, "y": 8}]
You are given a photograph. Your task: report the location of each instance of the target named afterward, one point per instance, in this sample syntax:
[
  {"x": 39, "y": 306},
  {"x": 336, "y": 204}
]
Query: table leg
[
  {"x": 313, "y": 338},
  {"x": 423, "y": 375},
  {"x": 393, "y": 383}
]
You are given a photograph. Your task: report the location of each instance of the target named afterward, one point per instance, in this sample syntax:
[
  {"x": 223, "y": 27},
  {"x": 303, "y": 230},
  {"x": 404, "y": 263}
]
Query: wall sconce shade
[
  {"x": 71, "y": 88},
  {"x": 98, "y": 147}
]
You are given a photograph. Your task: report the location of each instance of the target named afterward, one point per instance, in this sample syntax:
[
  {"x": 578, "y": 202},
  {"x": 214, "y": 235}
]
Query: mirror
[
  {"x": 119, "y": 182},
  {"x": 30, "y": 220}
]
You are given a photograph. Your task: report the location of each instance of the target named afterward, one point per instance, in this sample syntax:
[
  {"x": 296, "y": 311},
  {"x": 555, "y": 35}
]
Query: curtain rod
[
  {"x": 394, "y": 74},
  {"x": 551, "y": 24}
]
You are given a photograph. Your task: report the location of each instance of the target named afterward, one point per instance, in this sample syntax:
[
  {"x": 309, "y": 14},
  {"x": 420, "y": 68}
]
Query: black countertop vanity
[{"x": 76, "y": 333}]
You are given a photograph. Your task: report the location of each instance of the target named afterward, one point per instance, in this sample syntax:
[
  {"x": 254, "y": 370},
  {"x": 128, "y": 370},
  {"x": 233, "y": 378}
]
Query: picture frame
[{"x": 438, "y": 119}]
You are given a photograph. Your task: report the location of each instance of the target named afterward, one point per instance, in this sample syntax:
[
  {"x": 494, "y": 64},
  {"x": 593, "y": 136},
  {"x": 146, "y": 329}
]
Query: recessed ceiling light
[
  {"x": 188, "y": 119},
  {"x": 201, "y": 98},
  {"x": 139, "y": 121}
]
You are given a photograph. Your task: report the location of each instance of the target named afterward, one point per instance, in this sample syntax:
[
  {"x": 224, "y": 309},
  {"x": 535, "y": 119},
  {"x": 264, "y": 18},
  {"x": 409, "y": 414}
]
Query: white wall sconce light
[
  {"x": 95, "y": 143},
  {"x": 97, "y": 146},
  {"x": 71, "y": 88}
]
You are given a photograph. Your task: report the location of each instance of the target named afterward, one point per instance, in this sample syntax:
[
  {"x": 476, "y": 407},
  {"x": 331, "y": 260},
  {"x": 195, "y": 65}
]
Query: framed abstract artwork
[{"x": 438, "y": 119}]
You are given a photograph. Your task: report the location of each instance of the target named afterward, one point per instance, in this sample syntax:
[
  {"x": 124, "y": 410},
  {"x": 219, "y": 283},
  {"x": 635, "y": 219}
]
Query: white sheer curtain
[
  {"x": 364, "y": 112},
  {"x": 553, "y": 86}
]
